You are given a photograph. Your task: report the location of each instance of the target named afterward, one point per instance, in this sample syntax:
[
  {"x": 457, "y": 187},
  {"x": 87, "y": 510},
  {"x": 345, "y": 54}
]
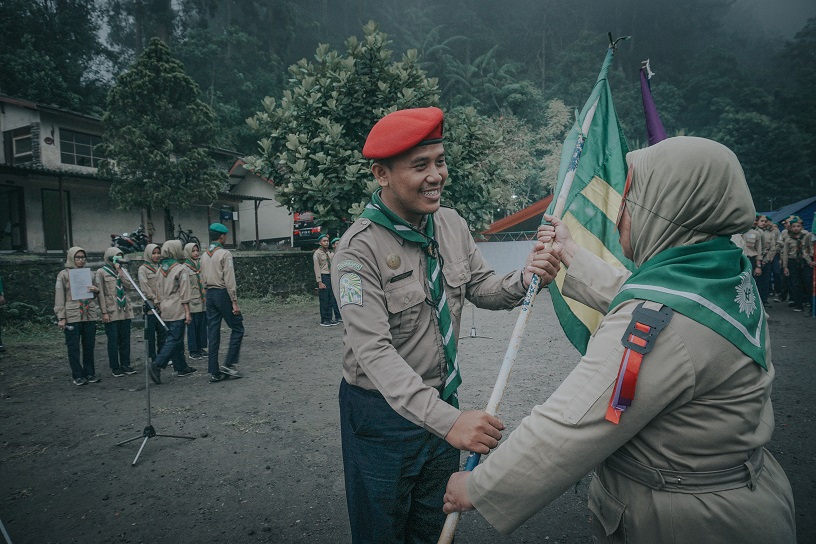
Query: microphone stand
[{"x": 149, "y": 431}]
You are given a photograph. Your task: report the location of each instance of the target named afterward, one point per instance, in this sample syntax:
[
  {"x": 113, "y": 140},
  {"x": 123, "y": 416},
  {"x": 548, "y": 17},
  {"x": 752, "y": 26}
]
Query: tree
[
  {"x": 62, "y": 69},
  {"x": 156, "y": 137},
  {"x": 312, "y": 138}
]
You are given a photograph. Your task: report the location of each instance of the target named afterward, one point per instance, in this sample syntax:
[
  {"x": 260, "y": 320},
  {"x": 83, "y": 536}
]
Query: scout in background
[
  {"x": 77, "y": 318},
  {"x": 117, "y": 312},
  {"x": 322, "y": 269},
  {"x": 174, "y": 296},
  {"x": 197, "y": 329},
  {"x": 218, "y": 273},
  {"x": 148, "y": 278},
  {"x": 797, "y": 260}
]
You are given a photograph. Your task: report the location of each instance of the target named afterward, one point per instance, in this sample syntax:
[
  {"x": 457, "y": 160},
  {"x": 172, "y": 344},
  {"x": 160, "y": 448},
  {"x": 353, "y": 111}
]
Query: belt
[{"x": 674, "y": 481}]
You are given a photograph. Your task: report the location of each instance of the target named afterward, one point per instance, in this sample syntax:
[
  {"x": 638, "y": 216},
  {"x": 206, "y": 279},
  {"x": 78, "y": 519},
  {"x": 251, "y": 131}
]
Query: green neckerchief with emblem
[
  {"x": 121, "y": 300},
  {"x": 378, "y": 212},
  {"x": 150, "y": 267},
  {"x": 711, "y": 283}
]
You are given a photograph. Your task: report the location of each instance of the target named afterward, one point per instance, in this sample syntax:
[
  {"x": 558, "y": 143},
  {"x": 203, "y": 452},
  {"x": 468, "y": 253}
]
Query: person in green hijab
[{"x": 670, "y": 405}]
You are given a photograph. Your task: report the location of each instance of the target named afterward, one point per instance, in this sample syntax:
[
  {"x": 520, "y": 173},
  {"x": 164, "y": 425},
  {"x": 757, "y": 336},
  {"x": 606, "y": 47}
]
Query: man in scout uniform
[
  {"x": 401, "y": 275},
  {"x": 797, "y": 259},
  {"x": 321, "y": 260},
  {"x": 174, "y": 298},
  {"x": 670, "y": 405},
  {"x": 752, "y": 247},
  {"x": 148, "y": 283},
  {"x": 766, "y": 259},
  {"x": 218, "y": 274},
  {"x": 117, "y": 312}
]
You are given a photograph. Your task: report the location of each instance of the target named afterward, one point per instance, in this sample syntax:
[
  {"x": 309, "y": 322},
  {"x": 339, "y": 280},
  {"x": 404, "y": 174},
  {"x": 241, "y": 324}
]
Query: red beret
[{"x": 402, "y": 130}]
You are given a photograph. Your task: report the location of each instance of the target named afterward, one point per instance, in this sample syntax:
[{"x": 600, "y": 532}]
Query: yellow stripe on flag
[
  {"x": 589, "y": 317},
  {"x": 605, "y": 198},
  {"x": 589, "y": 241}
]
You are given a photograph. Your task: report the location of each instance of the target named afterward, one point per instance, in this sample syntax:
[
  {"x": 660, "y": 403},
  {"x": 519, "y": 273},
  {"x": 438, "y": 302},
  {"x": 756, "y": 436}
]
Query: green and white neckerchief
[
  {"x": 213, "y": 247},
  {"x": 711, "y": 283},
  {"x": 378, "y": 212},
  {"x": 167, "y": 265},
  {"x": 121, "y": 300}
]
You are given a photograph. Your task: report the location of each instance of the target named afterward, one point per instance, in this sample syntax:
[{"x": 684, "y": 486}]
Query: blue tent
[{"x": 804, "y": 209}]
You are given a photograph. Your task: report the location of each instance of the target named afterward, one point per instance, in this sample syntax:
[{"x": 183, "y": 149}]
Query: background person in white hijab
[{"x": 686, "y": 461}]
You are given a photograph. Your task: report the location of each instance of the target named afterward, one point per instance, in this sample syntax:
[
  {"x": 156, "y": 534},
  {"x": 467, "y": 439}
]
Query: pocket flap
[
  {"x": 607, "y": 509},
  {"x": 403, "y": 295},
  {"x": 457, "y": 274}
]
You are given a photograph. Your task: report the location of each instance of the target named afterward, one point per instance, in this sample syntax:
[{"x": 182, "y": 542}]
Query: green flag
[{"x": 595, "y": 154}]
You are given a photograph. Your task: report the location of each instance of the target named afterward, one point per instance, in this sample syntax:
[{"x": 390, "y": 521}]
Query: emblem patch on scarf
[
  {"x": 745, "y": 295},
  {"x": 351, "y": 289}
]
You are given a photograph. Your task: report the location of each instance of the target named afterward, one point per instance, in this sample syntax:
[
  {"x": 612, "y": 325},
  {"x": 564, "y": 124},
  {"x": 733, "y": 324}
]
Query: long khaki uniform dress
[{"x": 701, "y": 404}]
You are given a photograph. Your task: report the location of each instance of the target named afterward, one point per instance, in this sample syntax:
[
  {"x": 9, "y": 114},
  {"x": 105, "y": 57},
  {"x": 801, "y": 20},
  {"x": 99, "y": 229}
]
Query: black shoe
[
  {"x": 155, "y": 373},
  {"x": 80, "y": 381},
  {"x": 127, "y": 369},
  {"x": 186, "y": 371},
  {"x": 333, "y": 323},
  {"x": 93, "y": 379},
  {"x": 325, "y": 324},
  {"x": 195, "y": 355},
  {"x": 117, "y": 372},
  {"x": 229, "y": 369},
  {"x": 216, "y": 378},
  {"x": 2, "y": 348}
]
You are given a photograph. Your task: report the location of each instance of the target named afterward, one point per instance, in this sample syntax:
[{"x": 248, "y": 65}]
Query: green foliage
[
  {"x": 50, "y": 52},
  {"x": 311, "y": 140},
  {"x": 156, "y": 136},
  {"x": 769, "y": 154}
]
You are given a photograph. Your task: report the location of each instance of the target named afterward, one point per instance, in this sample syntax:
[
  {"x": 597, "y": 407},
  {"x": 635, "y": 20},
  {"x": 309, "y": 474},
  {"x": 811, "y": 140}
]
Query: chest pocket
[
  {"x": 457, "y": 275},
  {"x": 405, "y": 301}
]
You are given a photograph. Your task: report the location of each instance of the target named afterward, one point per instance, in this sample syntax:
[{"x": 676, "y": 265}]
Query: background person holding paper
[{"x": 77, "y": 316}]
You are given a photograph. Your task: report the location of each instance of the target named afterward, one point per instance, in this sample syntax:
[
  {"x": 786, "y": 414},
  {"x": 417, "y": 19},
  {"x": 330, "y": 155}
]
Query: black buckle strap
[{"x": 656, "y": 320}]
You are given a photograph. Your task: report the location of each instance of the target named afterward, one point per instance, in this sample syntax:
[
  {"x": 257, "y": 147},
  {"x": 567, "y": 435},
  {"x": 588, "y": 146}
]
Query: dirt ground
[{"x": 265, "y": 465}]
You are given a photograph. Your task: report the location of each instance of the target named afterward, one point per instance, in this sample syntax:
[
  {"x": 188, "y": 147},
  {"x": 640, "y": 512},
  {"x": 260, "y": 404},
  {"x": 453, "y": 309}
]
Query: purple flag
[{"x": 654, "y": 126}]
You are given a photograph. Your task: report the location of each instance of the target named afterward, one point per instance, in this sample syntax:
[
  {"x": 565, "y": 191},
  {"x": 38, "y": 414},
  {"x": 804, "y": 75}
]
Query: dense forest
[{"x": 719, "y": 73}]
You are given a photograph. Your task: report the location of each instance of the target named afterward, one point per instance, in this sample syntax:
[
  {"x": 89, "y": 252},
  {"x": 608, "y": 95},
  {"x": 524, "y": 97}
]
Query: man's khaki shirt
[
  {"x": 790, "y": 250},
  {"x": 392, "y": 342},
  {"x": 753, "y": 243},
  {"x": 218, "y": 272},
  {"x": 769, "y": 245},
  {"x": 321, "y": 260}
]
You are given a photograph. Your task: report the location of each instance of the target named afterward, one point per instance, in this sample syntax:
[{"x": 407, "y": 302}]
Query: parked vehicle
[
  {"x": 134, "y": 242},
  {"x": 306, "y": 230}
]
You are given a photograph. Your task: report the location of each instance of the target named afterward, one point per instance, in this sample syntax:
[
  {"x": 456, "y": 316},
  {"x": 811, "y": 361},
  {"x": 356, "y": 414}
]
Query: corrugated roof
[{"x": 527, "y": 219}]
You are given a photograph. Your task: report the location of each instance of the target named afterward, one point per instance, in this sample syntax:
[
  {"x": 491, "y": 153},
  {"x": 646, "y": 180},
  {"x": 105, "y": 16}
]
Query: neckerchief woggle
[
  {"x": 121, "y": 301},
  {"x": 710, "y": 282},
  {"x": 378, "y": 212}
]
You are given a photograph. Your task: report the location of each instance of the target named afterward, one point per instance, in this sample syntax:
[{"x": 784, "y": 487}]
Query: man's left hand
[{"x": 456, "y": 495}]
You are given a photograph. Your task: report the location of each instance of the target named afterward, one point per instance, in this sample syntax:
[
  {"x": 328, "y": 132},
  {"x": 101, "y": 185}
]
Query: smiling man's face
[{"x": 412, "y": 186}]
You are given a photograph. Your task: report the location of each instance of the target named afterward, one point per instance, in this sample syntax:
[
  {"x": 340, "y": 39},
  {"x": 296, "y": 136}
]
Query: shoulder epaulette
[{"x": 639, "y": 339}]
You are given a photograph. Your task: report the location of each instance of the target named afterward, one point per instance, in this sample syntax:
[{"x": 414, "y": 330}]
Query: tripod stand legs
[{"x": 149, "y": 432}]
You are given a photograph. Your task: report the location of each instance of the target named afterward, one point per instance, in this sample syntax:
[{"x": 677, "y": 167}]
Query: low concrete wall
[{"x": 29, "y": 280}]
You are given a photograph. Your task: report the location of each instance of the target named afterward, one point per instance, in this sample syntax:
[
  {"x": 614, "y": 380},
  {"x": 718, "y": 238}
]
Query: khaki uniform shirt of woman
[
  {"x": 196, "y": 283},
  {"x": 148, "y": 275},
  {"x": 701, "y": 404},
  {"x": 174, "y": 282},
  {"x": 65, "y": 307},
  {"x": 105, "y": 279}
]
